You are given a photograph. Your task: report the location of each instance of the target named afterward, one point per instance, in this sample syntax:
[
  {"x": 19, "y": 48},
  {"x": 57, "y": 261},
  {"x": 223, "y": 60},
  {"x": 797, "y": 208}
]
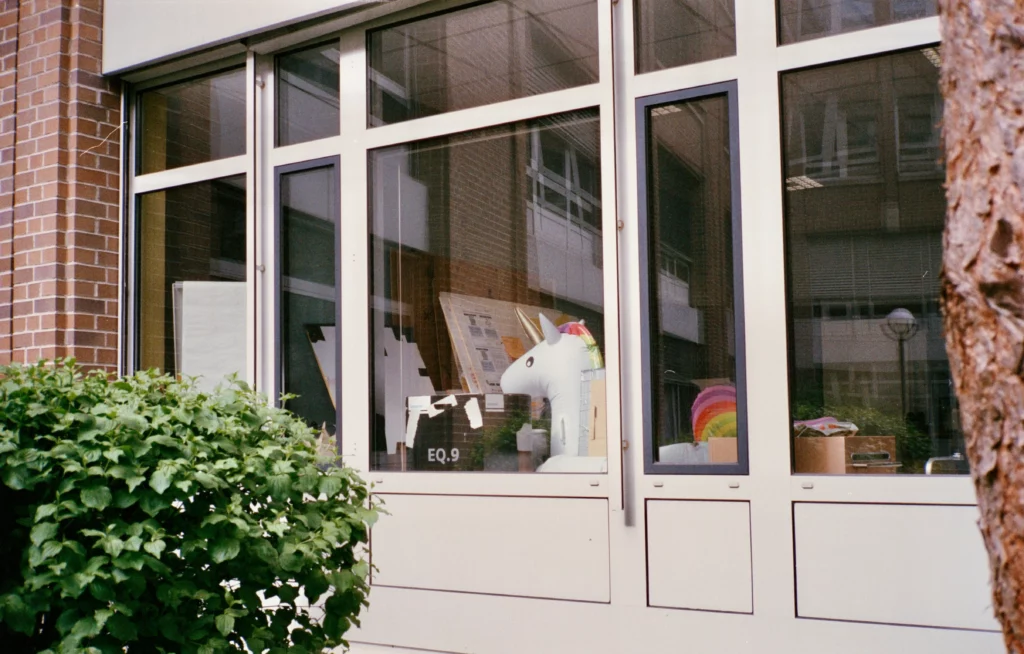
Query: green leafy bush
[{"x": 144, "y": 515}]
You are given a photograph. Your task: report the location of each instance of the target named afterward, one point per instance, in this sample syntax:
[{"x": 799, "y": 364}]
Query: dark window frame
[
  {"x": 648, "y": 303},
  {"x": 334, "y": 163}
]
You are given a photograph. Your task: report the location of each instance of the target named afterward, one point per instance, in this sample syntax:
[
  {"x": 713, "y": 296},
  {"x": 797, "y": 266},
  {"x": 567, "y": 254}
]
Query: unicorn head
[{"x": 551, "y": 369}]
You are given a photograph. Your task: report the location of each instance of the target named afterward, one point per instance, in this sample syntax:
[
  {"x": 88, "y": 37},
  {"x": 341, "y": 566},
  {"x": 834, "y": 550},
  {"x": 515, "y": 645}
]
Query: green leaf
[
  {"x": 50, "y": 549},
  {"x": 330, "y": 485},
  {"x": 134, "y": 481},
  {"x": 155, "y": 547},
  {"x": 153, "y": 504},
  {"x": 224, "y": 549},
  {"x": 85, "y": 628},
  {"x": 97, "y": 498},
  {"x": 45, "y": 511},
  {"x": 17, "y": 614},
  {"x": 42, "y": 532},
  {"x": 113, "y": 546},
  {"x": 225, "y": 624},
  {"x": 122, "y": 628},
  {"x": 161, "y": 479},
  {"x": 102, "y": 591}
]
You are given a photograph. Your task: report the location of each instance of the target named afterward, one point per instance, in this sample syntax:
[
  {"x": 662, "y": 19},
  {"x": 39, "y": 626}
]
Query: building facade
[{"x": 629, "y": 310}]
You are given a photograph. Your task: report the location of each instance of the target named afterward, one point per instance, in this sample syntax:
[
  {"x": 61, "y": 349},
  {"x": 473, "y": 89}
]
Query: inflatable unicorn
[{"x": 552, "y": 369}]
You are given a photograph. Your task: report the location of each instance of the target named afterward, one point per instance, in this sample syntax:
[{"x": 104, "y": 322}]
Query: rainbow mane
[
  {"x": 714, "y": 413},
  {"x": 578, "y": 329}
]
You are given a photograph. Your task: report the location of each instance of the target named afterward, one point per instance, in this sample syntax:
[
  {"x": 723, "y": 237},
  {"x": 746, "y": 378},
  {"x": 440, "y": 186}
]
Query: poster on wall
[{"x": 487, "y": 336}]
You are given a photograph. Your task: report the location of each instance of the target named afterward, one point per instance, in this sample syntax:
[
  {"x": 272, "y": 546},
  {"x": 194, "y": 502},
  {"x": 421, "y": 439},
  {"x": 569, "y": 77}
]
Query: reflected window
[
  {"x": 192, "y": 122},
  {"x": 696, "y": 403},
  {"x": 672, "y": 33},
  {"x": 480, "y": 55},
  {"x": 308, "y": 93},
  {"x": 307, "y": 285},
  {"x": 801, "y": 20},
  {"x": 488, "y": 305},
  {"x": 191, "y": 280},
  {"x": 870, "y": 382}
]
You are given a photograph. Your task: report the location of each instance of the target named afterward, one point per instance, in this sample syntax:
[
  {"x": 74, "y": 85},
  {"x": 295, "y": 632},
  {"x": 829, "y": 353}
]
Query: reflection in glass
[
  {"x": 673, "y": 33},
  {"x": 308, "y": 95},
  {"x": 192, "y": 122},
  {"x": 191, "y": 279},
  {"x": 479, "y": 55},
  {"x": 801, "y": 20},
  {"x": 693, "y": 338},
  {"x": 488, "y": 306},
  {"x": 309, "y": 215},
  {"x": 864, "y": 218}
]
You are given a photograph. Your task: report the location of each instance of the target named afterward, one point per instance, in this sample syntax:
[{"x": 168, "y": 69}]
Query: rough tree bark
[{"x": 983, "y": 279}]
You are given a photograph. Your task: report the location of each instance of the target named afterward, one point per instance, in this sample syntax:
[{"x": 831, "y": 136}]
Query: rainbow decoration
[
  {"x": 578, "y": 329},
  {"x": 714, "y": 413}
]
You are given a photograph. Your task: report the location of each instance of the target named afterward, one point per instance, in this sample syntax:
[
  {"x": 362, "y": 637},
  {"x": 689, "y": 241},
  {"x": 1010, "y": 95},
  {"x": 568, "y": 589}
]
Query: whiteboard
[{"x": 209, "y": 330}]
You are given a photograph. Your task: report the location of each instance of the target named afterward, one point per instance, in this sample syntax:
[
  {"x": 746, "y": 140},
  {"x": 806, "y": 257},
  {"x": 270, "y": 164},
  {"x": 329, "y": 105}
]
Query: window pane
[
  {"x": 692, "y": 299},
  {"x": 801, "y": 20},
  {"x": 673, "y": 33},
  {"x": 309, "y": 215},
  {"x": 479, "y": 55},
  {"x": 192, "y": 122},
  {"x": 308, "y": 95},
  {"x": 191, "y": 279},
  {"x": 864, "y": 218},
  {"x": 488, "y": 306}
]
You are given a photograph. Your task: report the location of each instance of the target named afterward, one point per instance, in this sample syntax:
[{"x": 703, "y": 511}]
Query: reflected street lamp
[{"x": 900, "y": 325}]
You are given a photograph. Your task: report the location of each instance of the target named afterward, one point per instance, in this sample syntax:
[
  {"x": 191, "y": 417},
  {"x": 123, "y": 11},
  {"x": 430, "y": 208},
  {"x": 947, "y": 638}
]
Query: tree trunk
[{"x": 983, "y": 285}]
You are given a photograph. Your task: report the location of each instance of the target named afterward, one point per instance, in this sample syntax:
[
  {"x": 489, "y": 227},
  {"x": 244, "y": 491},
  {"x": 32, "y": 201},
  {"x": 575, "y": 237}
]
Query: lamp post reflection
[{"x": 900, "y": 325}]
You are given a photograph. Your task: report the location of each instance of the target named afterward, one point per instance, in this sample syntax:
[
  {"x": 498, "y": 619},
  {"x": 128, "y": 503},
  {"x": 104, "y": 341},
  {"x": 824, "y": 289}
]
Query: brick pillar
[{"x": 59, "y": 224}]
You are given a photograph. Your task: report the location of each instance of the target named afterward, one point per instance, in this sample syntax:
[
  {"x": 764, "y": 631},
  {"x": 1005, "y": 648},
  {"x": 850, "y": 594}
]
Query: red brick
[{"x": 59, "y": 228}]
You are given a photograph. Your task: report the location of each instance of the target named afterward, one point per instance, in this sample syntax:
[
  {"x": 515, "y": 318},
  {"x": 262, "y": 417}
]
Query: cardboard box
[
  {"x": 824, "y": 455},
  {"x": 837, "y": 455},
  {"x": 723, "y": 450},
  {"x": 597, "y": 419},
  {"x": 871, "y": 455}
]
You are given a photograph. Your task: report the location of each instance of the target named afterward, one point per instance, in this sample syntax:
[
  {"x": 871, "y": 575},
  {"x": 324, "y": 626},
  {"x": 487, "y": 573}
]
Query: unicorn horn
[{"x": 531, "y": 329}]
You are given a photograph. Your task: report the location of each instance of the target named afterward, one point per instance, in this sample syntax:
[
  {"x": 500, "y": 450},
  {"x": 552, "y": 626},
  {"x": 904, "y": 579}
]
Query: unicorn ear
[{"x": 551, "y": 333}]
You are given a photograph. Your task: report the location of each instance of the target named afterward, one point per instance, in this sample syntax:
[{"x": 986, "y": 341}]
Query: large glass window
[
  {"x": 488, "y": 304},
  {"x": 673, "y": 33},
  {"x": 479, "y": 55},
  {"x": 191, "y": 289},
  {"x": 192, "y": 122},
  {"x": 308, "y": 92},
  {"x": 695, "y": 405},
  {"x": 308, "y": 291},
  {"x": 871, "y": 388},
  {"x": 800, "y": 20}
]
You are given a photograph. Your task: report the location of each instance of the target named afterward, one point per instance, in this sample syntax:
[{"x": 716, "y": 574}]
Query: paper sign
[
  {"x": 476, "y": 420},
  {"x": 494, "y": 402},
  {"x": 410, "y": 429}
]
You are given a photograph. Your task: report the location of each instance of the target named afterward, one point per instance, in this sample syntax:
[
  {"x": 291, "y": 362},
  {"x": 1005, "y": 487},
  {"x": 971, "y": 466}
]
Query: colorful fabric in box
[{"x": 714, "y": 413}]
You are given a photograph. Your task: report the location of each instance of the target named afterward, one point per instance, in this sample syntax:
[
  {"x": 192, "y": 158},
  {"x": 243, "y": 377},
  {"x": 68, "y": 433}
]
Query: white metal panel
[
  {"x": 529, "y": 547},
  {"x": 896, "y": 564},
  {"x": 698, "y": 555},
  {"x": 137, "y": 33},
  {"x": 494, "y": 624}
]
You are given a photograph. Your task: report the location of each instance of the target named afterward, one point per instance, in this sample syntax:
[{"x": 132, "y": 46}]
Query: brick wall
[{"x": 59, "y": 171}]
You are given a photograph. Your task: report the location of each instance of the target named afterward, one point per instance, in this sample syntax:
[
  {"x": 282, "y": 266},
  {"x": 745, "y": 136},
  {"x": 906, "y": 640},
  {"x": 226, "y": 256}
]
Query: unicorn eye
[{"x": 529, "y": 362}]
